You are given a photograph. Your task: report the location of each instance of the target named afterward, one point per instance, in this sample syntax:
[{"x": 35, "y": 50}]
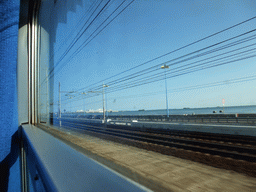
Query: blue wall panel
[{"x": 9, "y": 163}]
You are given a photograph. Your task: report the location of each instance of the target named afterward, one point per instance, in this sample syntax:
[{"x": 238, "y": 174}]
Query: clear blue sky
[{"x": 144, "y": 31}]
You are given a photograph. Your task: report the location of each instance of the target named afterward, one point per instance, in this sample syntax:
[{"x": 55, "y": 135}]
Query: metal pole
[
  {"x": 103, "y": 102},
  {"x": 47, "y": 97},
  {"x": 84, "y": 107},
  {"x": 106, "y": 106},
  {"x": 59, "y": 105},
  {"x": 167, "y": 110}
]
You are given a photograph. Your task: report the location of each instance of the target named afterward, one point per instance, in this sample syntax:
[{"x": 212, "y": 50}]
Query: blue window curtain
[{"x": 9, "y": 161}]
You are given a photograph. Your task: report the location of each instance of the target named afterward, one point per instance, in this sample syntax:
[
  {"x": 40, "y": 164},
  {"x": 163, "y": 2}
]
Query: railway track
[
  {"x": 214, "y": 138},
  {"x": 239, "y": 153}
]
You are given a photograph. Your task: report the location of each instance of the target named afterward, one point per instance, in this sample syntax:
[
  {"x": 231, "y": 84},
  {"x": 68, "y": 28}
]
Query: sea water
[
  {"x": 188, "y": 111},
  {"x": 208, "y": 110}
]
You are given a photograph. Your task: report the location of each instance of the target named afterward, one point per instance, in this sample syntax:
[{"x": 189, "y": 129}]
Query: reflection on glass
[{"x": 147, "y": 64}]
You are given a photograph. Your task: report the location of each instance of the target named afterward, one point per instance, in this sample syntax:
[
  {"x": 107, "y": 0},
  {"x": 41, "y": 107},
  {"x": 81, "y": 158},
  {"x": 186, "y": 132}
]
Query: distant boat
[
  {"x": 141, "y": 110},
  {"x": 186, "y": 108}
]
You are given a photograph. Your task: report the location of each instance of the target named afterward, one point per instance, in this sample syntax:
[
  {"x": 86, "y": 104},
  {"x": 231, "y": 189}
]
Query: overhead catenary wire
[
  {"x": 70, "y": 45},
  {"x": 156, "y": 67},
  {"x": 71, "y": 31},
  {"x": 176, "y": 50},
  {"x": 202, "y": 86},
  {"x": 136, "y": 74},
  {"x": 179, "y": 69},
  {"x": 181, "y": 89},
  {"x": 118, "y": 87},
  {"x": 251, "y": 78},
  {"x": 140, "y": 73},
  {"x": 83, "y": 44},
  {"x": 200, "y": 64},
  {"x": 195, "y": 42},
  {"x": 182, "y": 71},
  {"x": 154, "y": 81},
  {"x": 220, "y": 31},
  {"x": 76, "y": 40},
  {"x": 82, "y": 30}
]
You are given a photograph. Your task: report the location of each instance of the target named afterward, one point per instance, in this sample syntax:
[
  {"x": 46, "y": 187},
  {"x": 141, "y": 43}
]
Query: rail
[{"x": 223, "y": 149}]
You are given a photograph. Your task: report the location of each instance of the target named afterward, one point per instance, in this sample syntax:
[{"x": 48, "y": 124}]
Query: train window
[
  {"x": 165, "y": 73},
  {"x": 138, "y": 58}
]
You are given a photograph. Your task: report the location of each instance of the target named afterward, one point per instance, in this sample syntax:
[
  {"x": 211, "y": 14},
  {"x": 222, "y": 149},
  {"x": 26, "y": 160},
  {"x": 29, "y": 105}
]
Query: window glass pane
[
  {"x": 148, "y": 65},
  {"x": 134, "y": 46}
]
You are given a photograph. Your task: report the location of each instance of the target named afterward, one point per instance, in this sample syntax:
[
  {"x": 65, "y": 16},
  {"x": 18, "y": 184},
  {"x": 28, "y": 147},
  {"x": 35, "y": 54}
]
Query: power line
[
  {"x": 183, "y": 47},
  {"x": 79, "y": 36},
  {"x": 83, "y": 45},
  {"x": 179, "y": 62},
  {"x": 138, "y": 74},
  {"x": 202, "y": 86},
  {"x": 191, "y": 43},
  {"x": 179, "y": 69},
  {"x": 176, "y": 73},
  {"x": 183, "y": 73},
  {"x": 188, "y": 88},
  {"x": 71, "y": 31}
]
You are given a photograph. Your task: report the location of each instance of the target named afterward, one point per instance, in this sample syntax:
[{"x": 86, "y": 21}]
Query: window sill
[{"x": 62, "y": 168}]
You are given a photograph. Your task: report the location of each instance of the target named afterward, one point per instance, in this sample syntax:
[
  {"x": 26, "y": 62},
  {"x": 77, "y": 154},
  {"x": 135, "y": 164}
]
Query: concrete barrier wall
[
  {"x": 204, "y": 118},
  {"x": 206, "y": 128}
]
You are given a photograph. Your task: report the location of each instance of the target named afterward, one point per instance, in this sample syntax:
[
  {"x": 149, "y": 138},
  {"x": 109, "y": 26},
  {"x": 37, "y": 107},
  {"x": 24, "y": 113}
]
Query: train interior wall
[{"x": 9, "y": 140}]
